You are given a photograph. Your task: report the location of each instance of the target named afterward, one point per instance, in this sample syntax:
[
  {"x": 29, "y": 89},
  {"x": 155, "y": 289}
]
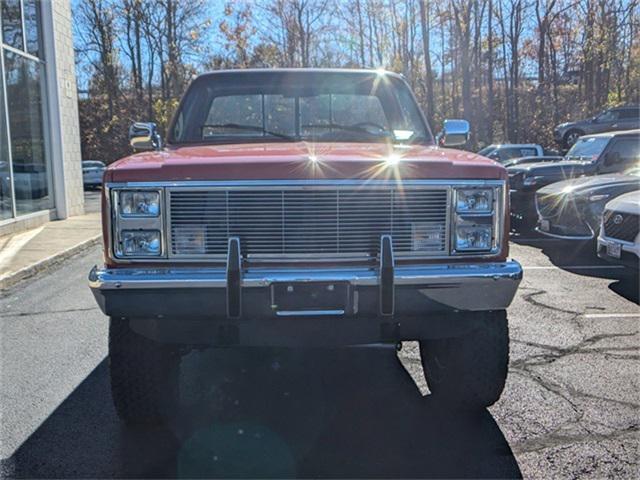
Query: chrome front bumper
[
  {"x": 413, "y": 290},
  {"x": 464, "y": 274},
  {"x": 304, "y": 306}
]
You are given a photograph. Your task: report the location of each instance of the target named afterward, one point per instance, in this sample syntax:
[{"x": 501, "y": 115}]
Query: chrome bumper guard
[{"x": 463, "y": 286}]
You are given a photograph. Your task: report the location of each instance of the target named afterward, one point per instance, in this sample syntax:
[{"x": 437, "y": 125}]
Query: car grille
[
  {"x": 307, "y": 221},
  {"x": 515, "y": 180},
  {"x": 621, "y": 225}
]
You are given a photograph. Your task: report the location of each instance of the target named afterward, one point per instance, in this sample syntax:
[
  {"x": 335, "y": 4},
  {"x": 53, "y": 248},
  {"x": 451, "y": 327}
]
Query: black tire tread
[
  {"x": 471, "y": 370},
  {"x": 565, "y": 139},
  {"x": 143, "y": 376}
]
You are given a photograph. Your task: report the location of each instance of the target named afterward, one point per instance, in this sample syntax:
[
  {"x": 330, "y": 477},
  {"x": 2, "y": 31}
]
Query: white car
[
  {"x": 508, "y": 151},
  {"x": 92, "y": 171},
  {"x": 619, "y": 240}
]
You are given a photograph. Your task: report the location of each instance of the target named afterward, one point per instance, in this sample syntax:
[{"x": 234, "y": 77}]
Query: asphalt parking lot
[
  {"x": 92, "y": 200},
  {"x": 571, "y": 406}
]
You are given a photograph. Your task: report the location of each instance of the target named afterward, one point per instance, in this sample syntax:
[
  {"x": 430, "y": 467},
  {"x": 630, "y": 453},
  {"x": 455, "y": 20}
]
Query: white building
[{"x": 40, "y": 163}]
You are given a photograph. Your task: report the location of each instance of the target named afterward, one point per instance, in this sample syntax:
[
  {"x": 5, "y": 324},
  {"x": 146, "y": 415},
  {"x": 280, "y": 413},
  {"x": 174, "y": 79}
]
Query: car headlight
[
  {"x": 474, "y": 234},
  {"x": 141, "y": 203},
  {"x": 136, "y": 243},
  {"x": 138, "y": 223},
  {"x": 474, "y": 200},
  {"x": 531, "y": 181},
  {"x": 476, "y": 220},
  {"x": 473, "y": 238}
]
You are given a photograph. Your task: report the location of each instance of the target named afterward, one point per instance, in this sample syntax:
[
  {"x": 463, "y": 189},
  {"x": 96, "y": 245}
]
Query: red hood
[{"x": 293, "y": 161}]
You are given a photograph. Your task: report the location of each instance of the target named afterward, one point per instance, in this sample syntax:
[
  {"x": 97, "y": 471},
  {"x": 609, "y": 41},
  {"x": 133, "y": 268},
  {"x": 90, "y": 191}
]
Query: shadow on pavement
[
  {"x": 272, "y": 413},
  {"x": 628, "y": 287},
  {"x": 569, "y": 254}
]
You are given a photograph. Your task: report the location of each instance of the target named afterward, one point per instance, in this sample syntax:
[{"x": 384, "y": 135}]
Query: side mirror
[
  {"x": 454, "y": 133},
  {"x": 144, "y": 136}
]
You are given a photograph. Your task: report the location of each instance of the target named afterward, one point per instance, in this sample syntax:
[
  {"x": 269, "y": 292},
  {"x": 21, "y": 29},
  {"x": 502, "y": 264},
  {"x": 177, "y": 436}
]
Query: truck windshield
[
  {"x": 277, "y": 106},
  {"x": 588, "y": 148}
]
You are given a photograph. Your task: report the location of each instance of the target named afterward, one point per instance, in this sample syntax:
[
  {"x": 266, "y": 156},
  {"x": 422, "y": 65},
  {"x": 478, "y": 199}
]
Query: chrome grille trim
[
  {"x": 626, "y": 231},
  {"x": 323, "y": 221},
  {"x": 450, "y": 184}
]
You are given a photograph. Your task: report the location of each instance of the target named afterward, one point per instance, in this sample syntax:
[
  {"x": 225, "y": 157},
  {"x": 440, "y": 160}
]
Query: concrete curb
[{"x": 9, "y": 279}]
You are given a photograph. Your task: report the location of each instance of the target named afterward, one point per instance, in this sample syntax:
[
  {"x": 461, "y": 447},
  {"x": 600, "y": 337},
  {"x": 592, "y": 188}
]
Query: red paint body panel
[{"x": 291, "y": 161}]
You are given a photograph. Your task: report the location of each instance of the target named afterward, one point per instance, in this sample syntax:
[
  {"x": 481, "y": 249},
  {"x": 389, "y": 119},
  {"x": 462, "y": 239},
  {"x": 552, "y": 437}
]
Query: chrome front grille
[
  {"x": 621, "y": 225},
  {"x": 315, "y": 221}
]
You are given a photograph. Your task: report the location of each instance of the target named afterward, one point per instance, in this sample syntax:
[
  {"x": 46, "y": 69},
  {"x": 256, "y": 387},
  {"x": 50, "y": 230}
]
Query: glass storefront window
[
  {"x": 6, "y": 210},
  {"x": 25, "y": 177},
  {"x": 12, "y": 24},
  {"x": 31, "y": 26},
  {"x": 25, "y": 107}
]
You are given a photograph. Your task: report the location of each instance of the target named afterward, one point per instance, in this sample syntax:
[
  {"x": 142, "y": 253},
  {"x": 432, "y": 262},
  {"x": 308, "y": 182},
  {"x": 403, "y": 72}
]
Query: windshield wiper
[
  {"x": 251, "y": 128},
  {"x": 351, "y": 128}
]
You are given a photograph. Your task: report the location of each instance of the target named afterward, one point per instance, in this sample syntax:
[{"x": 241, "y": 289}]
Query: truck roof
[
  {"x": 618, "y": 133},
  {"x": 302, "y": 71},
  {"x": 511, "y": 145}
]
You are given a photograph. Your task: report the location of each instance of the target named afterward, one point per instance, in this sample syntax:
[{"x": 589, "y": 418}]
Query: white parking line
[
  {"x": 610, "y": 315},
  {"x": 573, "y": 267}
]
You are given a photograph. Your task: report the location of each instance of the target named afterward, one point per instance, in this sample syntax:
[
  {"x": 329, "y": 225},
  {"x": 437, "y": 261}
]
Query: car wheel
[
  {"x": 469, "y": 371},
  {"x": 144, "y": 376},
  {"x": 571, "y": 137}
]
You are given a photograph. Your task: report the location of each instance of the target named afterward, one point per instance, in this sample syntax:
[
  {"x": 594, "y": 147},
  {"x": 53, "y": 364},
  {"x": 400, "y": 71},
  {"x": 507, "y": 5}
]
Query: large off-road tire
[
  {"x": 469, "y": 371},
  {"x": 144, "y": 376}
]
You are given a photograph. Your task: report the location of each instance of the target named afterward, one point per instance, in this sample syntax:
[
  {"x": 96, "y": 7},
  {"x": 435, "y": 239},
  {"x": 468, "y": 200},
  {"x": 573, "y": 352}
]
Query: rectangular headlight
[
  {"x": 140, "y": 243},
  {"x": 474, "y": 234},
  {"x": 474, "y": 200},
  {"x": 142, "y": 203},
  {"x": 473, "y": 238}
]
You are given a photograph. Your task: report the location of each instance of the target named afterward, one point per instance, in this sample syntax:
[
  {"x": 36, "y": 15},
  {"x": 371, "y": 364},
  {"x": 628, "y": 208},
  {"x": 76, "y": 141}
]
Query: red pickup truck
[{"x": 303, "y": 208}]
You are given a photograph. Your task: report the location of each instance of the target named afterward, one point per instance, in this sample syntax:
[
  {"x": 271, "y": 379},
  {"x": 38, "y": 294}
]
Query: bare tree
[
  {"x": 98, "y": 39},
  {"x": 513, "y": 68},
  {"x": 425, "y": 28}
]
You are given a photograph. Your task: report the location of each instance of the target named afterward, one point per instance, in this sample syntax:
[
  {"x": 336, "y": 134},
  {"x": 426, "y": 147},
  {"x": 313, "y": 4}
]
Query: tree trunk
[
  {"x": 490, "y": 73},
  {"x": 426, "y": 31},
  {"x": 360, "y": 33}
]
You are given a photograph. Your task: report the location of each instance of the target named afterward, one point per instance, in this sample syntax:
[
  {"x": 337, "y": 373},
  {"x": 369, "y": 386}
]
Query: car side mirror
[
  {"x": 144, "y": 136},
  {"x": 454, "y": 133}
]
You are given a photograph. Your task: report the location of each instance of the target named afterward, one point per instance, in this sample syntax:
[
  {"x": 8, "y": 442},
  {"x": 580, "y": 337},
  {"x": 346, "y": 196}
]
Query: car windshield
[
  {"x": 92, "y": 164},
  {"x": 487, "y": 150},
  {"x": 277, "y": 106},
  {"x": 588, "y": 148}
]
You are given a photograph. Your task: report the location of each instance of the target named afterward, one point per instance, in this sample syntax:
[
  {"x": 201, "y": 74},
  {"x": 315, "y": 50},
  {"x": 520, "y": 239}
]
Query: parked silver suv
[{"x": 618, "y": 118}]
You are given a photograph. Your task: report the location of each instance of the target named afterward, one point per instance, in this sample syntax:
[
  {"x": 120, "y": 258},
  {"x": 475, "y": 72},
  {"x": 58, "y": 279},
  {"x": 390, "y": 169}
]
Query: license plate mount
[
  {"x": 544, "y": 225},
  {"x": 614, "y": 250},
  {"x": 309, "y": 298}
]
